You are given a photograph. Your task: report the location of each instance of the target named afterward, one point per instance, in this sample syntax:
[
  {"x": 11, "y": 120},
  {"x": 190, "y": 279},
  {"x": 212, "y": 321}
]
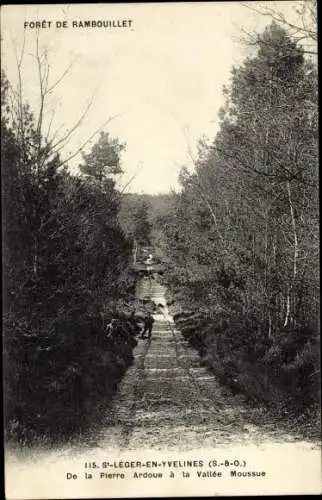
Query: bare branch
[
  {"x": 18, "y": 92},
  {"x": 280, "y": 18},
  {"x": 131, "y": 179},
  {"x": 50, "y": 124},
  {"x": 65, "y": 138},
  {"x": 42, "y": 96},
  {"x": 60, "y": 79},
  {"x": 76, "y": 153}
]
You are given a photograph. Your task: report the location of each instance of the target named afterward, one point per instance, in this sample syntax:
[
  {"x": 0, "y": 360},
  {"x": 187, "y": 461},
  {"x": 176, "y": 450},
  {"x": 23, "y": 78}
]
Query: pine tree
[{"x": 104, "y": 158}]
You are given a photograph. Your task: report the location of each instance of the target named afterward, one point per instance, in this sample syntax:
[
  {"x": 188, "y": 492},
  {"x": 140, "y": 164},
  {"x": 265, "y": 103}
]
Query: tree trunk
[
  {"x": 291, "y": 288},
  {"x": 135, "y": 252}
]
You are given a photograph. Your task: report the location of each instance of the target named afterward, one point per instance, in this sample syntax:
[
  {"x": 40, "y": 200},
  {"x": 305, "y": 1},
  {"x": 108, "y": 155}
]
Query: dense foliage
[
  {"x": 242, "y": 237},
  {"x": 141, "y": 216},
  {"x": 66, "y": 274}
]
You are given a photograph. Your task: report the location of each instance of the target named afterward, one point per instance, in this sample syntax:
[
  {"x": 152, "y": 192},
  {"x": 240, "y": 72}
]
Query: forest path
[
  {"x": 168, "y": 407},
  {"x": 168, "y": 400}
]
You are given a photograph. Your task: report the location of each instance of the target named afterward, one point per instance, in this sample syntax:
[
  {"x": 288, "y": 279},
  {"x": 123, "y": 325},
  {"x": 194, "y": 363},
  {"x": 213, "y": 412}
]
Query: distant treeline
[
  {"x": 67, "y": 272},
  {"x": 241, "y": 239},
  {"x": 141, "y": 216}
]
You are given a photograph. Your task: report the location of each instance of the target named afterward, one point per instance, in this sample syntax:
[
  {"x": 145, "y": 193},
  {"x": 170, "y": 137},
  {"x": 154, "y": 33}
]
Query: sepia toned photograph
[{"x": 160, "y": 223}]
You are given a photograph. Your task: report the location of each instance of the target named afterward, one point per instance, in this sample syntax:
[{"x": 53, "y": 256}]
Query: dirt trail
[
  {"x": 168, "y": 407},
  {"x": 168, "y": 400}
]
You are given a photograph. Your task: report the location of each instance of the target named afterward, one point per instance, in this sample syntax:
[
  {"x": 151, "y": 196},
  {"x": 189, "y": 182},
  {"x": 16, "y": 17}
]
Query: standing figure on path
[
  {"x": 149, "y": 266},
  {"x": 111, "y": 328},
  {"x": 148, "y": 324}
]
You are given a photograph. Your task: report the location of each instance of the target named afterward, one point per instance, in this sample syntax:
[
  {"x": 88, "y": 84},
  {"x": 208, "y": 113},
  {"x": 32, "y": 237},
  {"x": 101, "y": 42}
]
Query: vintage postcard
[{"x": 160, "y": 249}]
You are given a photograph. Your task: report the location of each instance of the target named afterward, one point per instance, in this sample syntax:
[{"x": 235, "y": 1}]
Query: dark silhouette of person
[
  {"x": 111, "y": 328},
  {"x": 148, "y": 324}
]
